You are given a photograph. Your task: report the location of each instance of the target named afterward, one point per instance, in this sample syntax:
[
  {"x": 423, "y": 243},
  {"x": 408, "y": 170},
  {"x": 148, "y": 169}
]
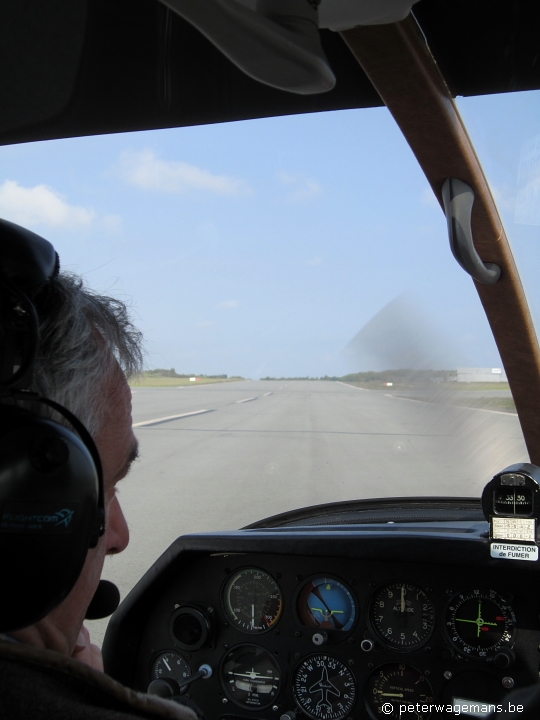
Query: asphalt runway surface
[{"x": 265, "y": 447}]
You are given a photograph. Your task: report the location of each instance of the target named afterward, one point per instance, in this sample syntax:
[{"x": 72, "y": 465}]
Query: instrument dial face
[
  {"x": 394, "y": 685},
  {"x": 479, "y": 622},
  {"x": 324, "y": 687},
  {"x": 401, "y": 615},
  {"x": 250, "y": 677},
  {"x": 171, "y": 665},
  {"x": 253, "y": 601},
  {"x": 326, "y": 603}
]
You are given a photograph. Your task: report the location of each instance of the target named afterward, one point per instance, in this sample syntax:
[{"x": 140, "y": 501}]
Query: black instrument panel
[{"x": 339, "y": 637}]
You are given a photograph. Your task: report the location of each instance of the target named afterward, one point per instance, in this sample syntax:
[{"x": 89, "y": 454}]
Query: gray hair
[{"x": 82, "y": 336}]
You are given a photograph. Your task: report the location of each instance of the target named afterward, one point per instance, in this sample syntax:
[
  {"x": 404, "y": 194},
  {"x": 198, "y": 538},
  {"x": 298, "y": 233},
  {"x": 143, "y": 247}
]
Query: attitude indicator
[{"x": 326, "y": 603}]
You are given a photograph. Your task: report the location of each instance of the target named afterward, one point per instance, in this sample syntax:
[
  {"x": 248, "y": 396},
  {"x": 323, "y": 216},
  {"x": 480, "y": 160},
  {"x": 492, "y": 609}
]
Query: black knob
[
  {"x": 319, "y": 638},
  {"x": 504, "y": 658},
  {"x": 289, "y": 715},
  {"x": 164, "y": 688}
]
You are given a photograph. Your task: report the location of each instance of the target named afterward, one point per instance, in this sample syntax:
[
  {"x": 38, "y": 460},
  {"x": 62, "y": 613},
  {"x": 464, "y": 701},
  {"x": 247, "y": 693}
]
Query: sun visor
[
  {"x": 344, "y": 14},
  {"x": 276, "y": 43}
]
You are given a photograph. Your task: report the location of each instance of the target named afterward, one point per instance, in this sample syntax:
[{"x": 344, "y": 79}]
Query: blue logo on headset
[
  {"x": 64, "y": 517},
  {"x": 18, "y": 518}
]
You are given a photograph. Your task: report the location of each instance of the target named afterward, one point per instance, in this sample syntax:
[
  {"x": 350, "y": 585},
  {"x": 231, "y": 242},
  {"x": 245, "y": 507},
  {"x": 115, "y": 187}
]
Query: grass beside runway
[
  {"x": 451, "y": 386},
  {"x": 473, "y": 395},
  {"x": 487, "y": 403},
  {"x": 143, "y": 381}
]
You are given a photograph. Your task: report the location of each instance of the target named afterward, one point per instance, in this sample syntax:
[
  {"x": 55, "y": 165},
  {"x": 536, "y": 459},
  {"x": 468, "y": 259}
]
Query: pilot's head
[{"x": 88, "y": 348}]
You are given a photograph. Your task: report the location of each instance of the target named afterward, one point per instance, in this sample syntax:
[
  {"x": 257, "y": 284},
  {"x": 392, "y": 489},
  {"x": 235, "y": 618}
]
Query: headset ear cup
[
  {"x": 51, "y": 480},
  {"x": 49, "y": 511}
]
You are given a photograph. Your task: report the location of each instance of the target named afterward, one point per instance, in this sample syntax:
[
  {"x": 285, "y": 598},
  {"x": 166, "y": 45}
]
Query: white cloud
[
  {"x": 315, "y": 261},
  {"x": 112, "y": 224},
  {"x": 527, "y": 206},
  {"x": 41, "y": 205},
  {"x": 144, "y": 170},
  {"x": 425, "y": 229},
  {"x": 504, "y": 197},
  {"x": 227, "y": 304},
  {"x": 302, "y": 186},
  {"x": 428, "y": 198}
]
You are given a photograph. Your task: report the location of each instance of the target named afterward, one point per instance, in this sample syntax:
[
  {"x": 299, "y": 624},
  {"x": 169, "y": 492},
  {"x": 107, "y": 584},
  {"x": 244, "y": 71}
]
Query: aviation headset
[{"x": 51, "y": 480}]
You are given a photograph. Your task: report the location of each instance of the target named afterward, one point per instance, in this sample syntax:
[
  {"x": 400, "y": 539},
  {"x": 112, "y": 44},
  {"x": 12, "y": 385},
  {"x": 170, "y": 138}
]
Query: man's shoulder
[{"x": 43, "y": 684}]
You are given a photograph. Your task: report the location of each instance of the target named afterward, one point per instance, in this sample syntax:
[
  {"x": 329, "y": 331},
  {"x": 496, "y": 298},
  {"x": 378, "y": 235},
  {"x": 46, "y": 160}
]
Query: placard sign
[{"x": 511, "y": 505}]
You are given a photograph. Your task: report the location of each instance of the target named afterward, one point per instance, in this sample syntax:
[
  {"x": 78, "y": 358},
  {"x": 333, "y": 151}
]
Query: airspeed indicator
[{"x": 252, "y": 600}]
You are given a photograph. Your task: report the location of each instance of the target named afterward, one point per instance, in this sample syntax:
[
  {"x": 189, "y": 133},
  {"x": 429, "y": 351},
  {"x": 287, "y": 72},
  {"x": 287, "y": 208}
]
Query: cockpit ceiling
[{"x": 85, "y": 67}]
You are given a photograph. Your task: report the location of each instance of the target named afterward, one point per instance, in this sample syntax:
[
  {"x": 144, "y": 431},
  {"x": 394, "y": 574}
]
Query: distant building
[{"x": 468, "y": 375}]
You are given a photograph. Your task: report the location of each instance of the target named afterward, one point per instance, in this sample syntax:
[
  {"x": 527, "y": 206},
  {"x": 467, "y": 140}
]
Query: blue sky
[{"x": 263, "y": 247}]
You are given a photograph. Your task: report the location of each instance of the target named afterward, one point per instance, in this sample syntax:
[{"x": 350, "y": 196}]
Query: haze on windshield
[
  {"x": 293, "y": 247},
  {"x": 254, "y": 248},
  {"x": 283, "y": 248}
]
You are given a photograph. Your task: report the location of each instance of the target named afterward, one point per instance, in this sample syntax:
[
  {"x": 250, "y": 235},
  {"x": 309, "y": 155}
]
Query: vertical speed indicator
[
  {"x": 398, "y": 692},
  {"x": 252, "y": 600}
]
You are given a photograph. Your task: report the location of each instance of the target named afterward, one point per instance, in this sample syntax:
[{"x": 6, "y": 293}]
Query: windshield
[
  {"x": 310, "y": 338},
  {"x": 505, "y": 131}
]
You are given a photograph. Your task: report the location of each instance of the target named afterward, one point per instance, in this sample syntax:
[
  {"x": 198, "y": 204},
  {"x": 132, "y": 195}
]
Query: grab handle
[{"x": 458, "y": 199}]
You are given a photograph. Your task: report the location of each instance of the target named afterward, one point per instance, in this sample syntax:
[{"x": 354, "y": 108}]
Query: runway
[{"x": 218, "y": 457}]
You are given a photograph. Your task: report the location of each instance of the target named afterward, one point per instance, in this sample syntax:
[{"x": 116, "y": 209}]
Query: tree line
[
  {"x": 162, "y": 372},
  {"x": 403, "y": 375}
]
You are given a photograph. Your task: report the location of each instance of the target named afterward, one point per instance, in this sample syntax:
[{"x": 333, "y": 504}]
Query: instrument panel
[{"x": 330, "y": 638}]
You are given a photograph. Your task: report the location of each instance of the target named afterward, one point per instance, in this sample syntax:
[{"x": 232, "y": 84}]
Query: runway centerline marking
[
  {"x": 246, "y": 400},
  {"x": 157, "y": 421},
  {"x": 267, "y": 394}
]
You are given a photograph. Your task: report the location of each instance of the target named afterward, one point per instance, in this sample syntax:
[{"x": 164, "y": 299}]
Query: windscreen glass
[
  {"x": 310, "y": 338},
  {"x": 505, "y": 130}
]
